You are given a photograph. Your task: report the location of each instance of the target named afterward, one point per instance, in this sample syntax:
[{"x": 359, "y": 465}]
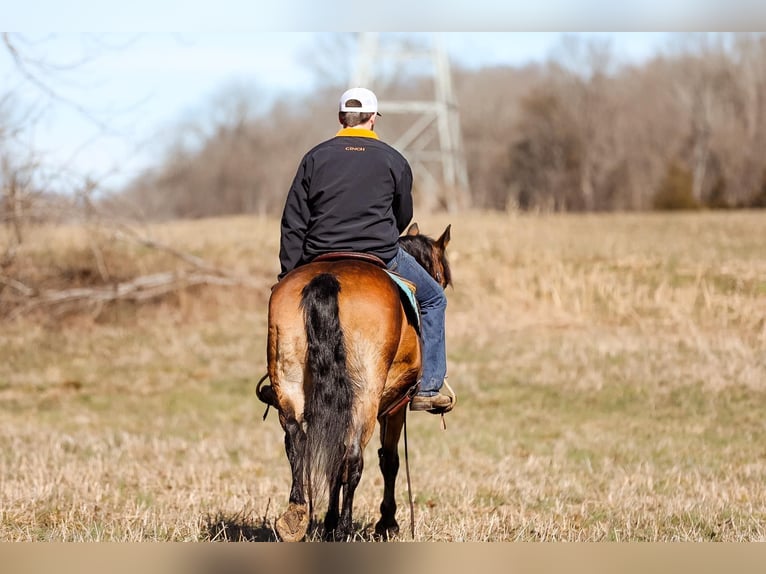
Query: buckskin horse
[{"x": 343, "y": 352}]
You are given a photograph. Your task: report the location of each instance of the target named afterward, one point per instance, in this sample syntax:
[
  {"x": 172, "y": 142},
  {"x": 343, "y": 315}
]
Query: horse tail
[{"x": 328, "y": 407}]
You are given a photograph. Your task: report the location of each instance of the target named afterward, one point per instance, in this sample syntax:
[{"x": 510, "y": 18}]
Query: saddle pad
[{"x": 408, "y": 290}]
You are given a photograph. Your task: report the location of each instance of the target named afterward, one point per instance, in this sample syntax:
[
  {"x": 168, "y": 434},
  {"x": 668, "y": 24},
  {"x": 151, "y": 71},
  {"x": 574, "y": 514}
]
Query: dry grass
[{"x": 611, "y": 373}]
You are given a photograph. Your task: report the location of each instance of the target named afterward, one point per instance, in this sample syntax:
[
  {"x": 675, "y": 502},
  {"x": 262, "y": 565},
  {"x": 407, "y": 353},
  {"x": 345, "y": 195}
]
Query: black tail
[{"x": 328, "y": 408}]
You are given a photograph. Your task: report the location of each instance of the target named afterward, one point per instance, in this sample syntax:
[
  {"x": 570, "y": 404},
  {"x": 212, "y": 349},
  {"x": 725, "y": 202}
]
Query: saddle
[{"x": 338, "y": 255}]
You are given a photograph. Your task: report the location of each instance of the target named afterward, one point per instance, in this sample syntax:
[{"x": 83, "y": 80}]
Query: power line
[{"x": 433, "y": 142}]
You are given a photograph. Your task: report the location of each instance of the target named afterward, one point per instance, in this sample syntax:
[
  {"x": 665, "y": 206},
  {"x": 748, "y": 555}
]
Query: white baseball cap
[{"x": 368, "y": 100}]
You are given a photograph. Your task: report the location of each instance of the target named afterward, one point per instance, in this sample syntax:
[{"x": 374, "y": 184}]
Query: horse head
[{"x": 430, "y": 253}]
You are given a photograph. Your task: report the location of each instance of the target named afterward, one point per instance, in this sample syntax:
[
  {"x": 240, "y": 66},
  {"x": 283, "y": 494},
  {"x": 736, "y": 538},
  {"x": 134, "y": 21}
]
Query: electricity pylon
[{"x": 432, "y": 140}]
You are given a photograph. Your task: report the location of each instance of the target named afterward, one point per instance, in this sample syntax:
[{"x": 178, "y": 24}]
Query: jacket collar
[{"x": 357, "y": 132}]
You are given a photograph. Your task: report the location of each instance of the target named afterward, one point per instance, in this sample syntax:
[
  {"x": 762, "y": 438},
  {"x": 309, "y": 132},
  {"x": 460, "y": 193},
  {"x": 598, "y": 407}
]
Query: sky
[{"x": 110, "y": 101}]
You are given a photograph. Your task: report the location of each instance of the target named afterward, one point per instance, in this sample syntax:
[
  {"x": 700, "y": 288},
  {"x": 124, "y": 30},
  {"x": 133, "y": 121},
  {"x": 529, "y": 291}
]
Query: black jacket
[{"x": 350, "y": 193}]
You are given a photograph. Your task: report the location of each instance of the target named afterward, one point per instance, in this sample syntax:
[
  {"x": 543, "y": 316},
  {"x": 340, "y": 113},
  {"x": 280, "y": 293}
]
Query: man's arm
[
  {"x": 403, "y": 198},
  {"x": 295, "y": 218}
]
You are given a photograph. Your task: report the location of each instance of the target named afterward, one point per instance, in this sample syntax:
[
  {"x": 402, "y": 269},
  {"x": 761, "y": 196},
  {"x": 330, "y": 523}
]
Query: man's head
[{"x": 358, "y": 107}]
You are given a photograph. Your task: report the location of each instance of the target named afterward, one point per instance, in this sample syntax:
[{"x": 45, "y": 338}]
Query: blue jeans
[{"x": 433, "y": 304}]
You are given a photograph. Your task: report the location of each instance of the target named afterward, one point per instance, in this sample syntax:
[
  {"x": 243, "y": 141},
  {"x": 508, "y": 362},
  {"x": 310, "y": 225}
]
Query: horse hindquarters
[{"x": 347, "y": 373}]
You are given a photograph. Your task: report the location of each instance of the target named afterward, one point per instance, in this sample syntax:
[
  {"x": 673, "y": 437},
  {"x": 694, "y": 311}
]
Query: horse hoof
[
  {"x": 387, "y": 530},
  {"x": 294, "y": 523}
]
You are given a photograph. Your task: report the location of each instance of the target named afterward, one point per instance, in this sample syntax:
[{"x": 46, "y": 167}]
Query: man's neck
[{"x": 369, "y": 126}]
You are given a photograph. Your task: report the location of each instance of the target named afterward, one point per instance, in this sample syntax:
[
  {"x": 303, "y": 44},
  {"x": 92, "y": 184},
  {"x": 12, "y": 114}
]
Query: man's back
[{"x": 350, "y": 193}]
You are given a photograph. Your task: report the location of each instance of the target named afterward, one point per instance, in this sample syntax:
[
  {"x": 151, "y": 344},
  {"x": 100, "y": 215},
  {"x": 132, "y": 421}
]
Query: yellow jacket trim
[{"x": 357, "y": 132}]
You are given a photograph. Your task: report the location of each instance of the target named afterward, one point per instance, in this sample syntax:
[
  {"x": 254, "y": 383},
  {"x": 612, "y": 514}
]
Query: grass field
[{"x": 611, "y": 374}]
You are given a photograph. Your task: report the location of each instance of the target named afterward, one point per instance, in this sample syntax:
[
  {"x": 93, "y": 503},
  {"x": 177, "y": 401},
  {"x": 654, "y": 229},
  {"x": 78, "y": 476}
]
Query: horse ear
[
  {"x": 413, "y": 229},
  {"x": 445, "y": 237}
]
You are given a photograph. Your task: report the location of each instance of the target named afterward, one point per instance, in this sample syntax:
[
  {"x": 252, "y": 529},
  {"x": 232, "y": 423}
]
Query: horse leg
[
  {"x": 331, "y": 518},
  {"x": 293, "y": 524},
  {"x": 353, "y": 473},
  {"x": 388, "y": 456},
  {"x": 338, "y": 526}
]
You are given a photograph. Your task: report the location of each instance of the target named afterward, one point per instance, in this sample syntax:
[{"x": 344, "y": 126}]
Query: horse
[{"x": 343, "y": 352}]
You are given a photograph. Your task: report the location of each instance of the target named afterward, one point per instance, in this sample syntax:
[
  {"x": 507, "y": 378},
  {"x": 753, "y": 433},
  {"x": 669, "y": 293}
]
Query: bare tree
[
  {"x": 331, "y": 59},
  {"x": 741, "y": 133}
]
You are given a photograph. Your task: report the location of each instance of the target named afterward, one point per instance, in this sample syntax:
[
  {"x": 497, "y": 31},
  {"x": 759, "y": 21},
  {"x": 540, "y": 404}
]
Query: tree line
[{"x": 684, "y": 129}]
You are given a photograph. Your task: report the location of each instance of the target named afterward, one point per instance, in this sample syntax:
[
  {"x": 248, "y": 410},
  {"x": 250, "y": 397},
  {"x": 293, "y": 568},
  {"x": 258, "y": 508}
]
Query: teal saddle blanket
[{"x": 408, "y": 299}]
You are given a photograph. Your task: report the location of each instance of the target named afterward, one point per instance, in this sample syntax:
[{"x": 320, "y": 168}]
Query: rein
[
  {"x": 409, "y": 483},
  {"x": 382, "y": 417},
  {"x": 384, "y": 424},
  {"x": 403, "y": 402}
]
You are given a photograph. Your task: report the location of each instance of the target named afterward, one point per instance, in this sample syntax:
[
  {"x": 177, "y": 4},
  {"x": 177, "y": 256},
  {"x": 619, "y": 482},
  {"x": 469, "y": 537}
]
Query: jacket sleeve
[
  {"x": 403, "y": 198},
  {"x": 295, "y": 219}
]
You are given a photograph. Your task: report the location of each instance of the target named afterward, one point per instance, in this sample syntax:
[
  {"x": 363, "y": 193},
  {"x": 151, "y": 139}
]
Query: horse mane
[{"x": 422, "y": 248}]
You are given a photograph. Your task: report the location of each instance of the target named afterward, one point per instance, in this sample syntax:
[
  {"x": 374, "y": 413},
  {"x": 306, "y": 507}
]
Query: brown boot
[{"x": 435, "y": 404}]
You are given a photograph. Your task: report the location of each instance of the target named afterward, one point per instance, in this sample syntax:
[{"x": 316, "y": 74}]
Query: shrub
[
  {"x": 759, "y": 198},
  {"x": 675, "y": 191}
]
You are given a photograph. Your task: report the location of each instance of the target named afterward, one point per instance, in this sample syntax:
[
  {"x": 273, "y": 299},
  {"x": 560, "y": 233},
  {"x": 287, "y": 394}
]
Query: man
[{"x": 354, "y": 193}]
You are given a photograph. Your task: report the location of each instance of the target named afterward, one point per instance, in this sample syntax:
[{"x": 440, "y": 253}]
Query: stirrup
[
  {"x": 266, "y": 394},
  {"x": 451, "y": 394}
]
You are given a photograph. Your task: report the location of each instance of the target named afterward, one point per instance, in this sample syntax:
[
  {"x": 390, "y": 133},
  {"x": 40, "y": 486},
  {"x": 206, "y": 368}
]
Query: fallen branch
[
  {"x": 140, "y": 289},
  {"x": 17, "y": 285},
  {"x": 18, "y": 298}
]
